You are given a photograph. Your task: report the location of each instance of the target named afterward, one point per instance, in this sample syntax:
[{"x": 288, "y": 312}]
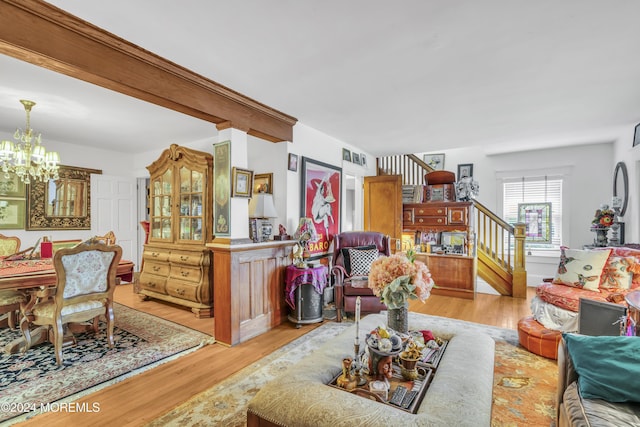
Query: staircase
[{"x": 499, "y": 245}]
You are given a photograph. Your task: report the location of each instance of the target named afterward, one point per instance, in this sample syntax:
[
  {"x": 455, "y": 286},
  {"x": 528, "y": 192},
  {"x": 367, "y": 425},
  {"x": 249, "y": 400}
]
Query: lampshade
[
  {"x": 306, "y": 231},
  {"x": 261, "y": 206}
]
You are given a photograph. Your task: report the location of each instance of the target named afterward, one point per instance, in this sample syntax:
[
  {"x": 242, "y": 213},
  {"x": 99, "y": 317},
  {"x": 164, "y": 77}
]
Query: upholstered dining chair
[
  {"x": 10, "y": 300},
  {"x": 9, "y": 245},
  {"x": 353, "y": 253},
  {"x": 86, "y": 277},
  {"x": 108, "y": 239}
]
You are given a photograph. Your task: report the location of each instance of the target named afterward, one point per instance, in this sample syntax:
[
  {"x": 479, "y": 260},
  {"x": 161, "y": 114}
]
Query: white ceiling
[{"x": 384, "y": 76}]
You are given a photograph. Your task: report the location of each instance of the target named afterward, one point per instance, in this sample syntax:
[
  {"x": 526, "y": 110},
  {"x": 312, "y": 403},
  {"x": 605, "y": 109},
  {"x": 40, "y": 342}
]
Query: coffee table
[{"x": 460, "y": 392}]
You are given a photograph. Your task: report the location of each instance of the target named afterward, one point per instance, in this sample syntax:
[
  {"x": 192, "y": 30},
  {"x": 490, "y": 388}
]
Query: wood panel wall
[{"x": 249, "y": 289}]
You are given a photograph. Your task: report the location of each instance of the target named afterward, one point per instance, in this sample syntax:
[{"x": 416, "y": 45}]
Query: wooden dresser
[
  {"x": 177, "y": 265},
  {"x": 454, "y": 273}
]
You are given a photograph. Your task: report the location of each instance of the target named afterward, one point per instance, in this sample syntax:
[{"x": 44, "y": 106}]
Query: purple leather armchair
[{"x": 348, "y": 288}]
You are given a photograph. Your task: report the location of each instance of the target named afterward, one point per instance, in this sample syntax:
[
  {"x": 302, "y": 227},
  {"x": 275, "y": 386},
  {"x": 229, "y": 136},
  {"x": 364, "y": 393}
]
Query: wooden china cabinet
[{"x": 177, "y": 265}]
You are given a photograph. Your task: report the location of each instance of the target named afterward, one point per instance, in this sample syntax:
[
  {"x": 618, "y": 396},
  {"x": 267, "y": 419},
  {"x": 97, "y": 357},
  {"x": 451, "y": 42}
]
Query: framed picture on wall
[
  {"x": 346, "y": 155},
  {"x": 263, "y": 183},
  {"x": 12, "y": 214},
  {"x": 636, "y": 136},
  {"x": 242, "y": 180},
  {"x": 321, "y": 187},
  {"x": 12, "y": 186},
  {"x": 356, "y": 158},
  {"x": 222, "y": 189},
  {"x": 363, "y": 159},
  {"x": 435, "y": 161},
  {"x": 465, "y": 170},
  {"x": 293, "y": 162}
]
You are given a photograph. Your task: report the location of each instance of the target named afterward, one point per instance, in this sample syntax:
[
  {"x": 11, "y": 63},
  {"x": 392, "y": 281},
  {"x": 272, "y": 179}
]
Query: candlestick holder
[{"x": 360, "y": 380}]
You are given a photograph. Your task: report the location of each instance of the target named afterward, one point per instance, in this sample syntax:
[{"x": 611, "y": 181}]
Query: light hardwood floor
[{"x": 144, "y": 397}]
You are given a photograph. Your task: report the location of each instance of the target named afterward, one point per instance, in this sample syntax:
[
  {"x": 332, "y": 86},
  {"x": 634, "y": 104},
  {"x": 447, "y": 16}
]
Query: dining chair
[
  {"x": 85, "y": 281},
  {"x": 108, "y": 239},
  {"x": 9, "y": 299},
  {"x": 9, "y": 245}
]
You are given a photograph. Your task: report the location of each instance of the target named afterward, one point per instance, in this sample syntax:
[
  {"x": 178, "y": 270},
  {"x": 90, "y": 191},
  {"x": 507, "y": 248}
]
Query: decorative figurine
[
  {"x": 385, "y": 368},
  {"x": 346, "y": 380}
]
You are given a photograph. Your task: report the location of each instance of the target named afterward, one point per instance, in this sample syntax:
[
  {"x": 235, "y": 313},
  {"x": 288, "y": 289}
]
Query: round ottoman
[{"x": 538, "y": 339}]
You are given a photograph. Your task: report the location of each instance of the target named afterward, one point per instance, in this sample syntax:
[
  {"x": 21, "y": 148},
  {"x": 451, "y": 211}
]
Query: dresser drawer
[
  {"x": 183, "y": 290},
  {"x": 430, "y": 211},
  {"x": 185, "y": 272},
  {"x": 156, "y": 255},
  {"x": 187, "y": 258},
  {"x": 155, "y": 267},
  {"x": 430, "y": 220},
  {"x": 153, "y": 282}
]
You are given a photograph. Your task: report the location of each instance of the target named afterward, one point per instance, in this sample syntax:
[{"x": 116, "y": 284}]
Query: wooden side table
[{"x": 305, "y": 292}]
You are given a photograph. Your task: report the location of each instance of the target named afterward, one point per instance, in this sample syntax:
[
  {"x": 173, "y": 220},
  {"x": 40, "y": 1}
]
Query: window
[{"x": 535, "y": 190}]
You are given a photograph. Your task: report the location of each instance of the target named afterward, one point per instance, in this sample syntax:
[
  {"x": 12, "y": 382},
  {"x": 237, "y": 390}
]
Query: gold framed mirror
[{"x": 63, "y": 203}]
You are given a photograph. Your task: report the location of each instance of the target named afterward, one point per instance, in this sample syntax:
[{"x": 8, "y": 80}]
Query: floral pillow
[
  {"x": 581, "y": 268},
  {"x": 617, "y": 273}
]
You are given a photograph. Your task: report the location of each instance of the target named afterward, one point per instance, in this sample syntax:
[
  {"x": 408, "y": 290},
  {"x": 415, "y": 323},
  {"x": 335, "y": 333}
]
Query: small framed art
[
  {"x": 242, "y": 182},
  {"x": 263, "y": 183},
  {"x": 636, "y": 136},
  {"x": 465, "y": 170},
  {"x": 355, "y": 158},
  {"x": 363, "y": 159},
  {"x": 435, "y": 161},
  {"x": 11, "y": 186},
  {"x": 346, "y": 155},
  {"x": 293, "y": 162},
  {"x": 12, "y": 214}
]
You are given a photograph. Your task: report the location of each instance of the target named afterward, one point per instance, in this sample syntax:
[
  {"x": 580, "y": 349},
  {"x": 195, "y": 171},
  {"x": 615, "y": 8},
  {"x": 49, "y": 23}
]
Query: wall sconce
[{"x": 261, "y": 208}]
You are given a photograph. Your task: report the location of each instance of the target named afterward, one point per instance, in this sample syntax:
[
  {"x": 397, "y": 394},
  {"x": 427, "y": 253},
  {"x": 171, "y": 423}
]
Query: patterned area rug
[
  {"x": 142, "y": 341},
  {"x": 523, "y": 392}
]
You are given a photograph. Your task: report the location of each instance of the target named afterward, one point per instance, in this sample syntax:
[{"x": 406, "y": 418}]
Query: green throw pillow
[{"x": 608, "y": 367}]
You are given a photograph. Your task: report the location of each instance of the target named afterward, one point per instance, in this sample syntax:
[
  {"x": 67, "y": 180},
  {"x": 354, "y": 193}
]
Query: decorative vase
[
  {"x": 398, "y": 318},
  {"x": 601, "y": 237},
  {"x": 408, "y": 368}
]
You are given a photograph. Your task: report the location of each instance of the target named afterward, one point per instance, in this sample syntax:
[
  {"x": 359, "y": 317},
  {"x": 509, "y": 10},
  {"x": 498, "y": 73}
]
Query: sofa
[
  {"x": 601, "y": 274},
  {"x": 460, "y": 393},
  {"x": 596, "y": 381}
]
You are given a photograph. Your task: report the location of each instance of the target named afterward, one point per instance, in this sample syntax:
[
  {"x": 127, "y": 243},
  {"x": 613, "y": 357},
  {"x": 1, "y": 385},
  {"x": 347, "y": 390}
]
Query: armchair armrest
[{"x": 339, "y": 273}]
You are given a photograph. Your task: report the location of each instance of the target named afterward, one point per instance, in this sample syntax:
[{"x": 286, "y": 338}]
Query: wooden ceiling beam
[{"x": 47, "y": 36}]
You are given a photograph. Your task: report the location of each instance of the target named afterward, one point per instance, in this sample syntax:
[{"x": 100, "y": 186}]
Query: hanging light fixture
[{"x": 27, "y": 158}]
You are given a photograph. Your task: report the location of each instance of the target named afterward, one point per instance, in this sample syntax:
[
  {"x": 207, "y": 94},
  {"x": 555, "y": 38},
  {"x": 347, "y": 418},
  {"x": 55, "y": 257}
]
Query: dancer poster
[{"x": 321, "y": 201}]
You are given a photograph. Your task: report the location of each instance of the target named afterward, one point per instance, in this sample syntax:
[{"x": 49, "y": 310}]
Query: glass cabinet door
[
  {"x": 191, "y": 204},
  {"x": 161, "y": 188}
]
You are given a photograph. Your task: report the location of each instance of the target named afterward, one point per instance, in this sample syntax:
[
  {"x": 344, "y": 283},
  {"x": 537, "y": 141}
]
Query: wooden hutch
[{"x": 177, "y": 265}]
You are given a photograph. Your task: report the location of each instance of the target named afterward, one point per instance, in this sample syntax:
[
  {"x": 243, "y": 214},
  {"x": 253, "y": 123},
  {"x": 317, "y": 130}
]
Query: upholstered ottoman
[
  {"x": 538, "y": 339},
  {"x": 460, "y": 393}
]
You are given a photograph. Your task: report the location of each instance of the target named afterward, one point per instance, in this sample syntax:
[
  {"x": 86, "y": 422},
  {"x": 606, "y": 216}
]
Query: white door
[{"x": 113, "y": 208}]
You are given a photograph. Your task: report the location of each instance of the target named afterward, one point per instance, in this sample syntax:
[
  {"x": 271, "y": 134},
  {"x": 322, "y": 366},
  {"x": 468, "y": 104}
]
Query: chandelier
[{"x": 27, "y": 158}]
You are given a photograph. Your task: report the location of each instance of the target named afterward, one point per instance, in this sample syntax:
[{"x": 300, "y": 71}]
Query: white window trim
[{"x": 565, "y": 172}]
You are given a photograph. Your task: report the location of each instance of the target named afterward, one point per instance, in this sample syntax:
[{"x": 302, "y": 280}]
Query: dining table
[{"x": 37, "y": 277}]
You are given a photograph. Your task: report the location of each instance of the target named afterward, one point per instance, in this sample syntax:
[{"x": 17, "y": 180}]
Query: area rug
[
  {"x": 523, "y": 393},
  {"x": 32, "y": 380}
]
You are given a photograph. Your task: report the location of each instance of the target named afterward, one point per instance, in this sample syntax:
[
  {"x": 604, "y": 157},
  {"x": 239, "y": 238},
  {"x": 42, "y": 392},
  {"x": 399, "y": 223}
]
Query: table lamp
[
  {"x": 261, "y": 208},
  {"x": 305, "y": 233}
]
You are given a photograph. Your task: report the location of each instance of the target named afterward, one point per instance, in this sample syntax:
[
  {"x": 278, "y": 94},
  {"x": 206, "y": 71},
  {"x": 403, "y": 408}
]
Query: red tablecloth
[
  {"x": 316, "y": 276},
  {"x": 16, "y": 268}
]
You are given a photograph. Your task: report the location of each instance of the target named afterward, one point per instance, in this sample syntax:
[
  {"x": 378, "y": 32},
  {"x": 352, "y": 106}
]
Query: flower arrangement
[
  {"x": 398, "y": 278},
  {"x": 604, "y": 217}
]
